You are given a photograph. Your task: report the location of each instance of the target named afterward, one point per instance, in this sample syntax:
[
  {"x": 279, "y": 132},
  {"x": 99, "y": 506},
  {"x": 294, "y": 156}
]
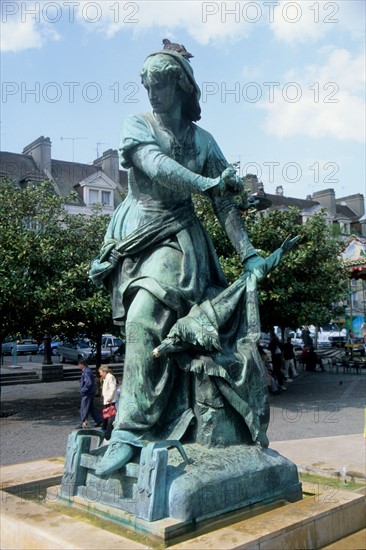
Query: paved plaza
[{"x": 318, "y": 422}]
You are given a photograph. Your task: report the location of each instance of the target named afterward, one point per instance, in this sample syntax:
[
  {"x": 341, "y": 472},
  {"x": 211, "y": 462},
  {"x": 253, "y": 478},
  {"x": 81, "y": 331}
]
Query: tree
[
  {"x": 45, "y": 255},
  {"x": 309, "y": 281}
]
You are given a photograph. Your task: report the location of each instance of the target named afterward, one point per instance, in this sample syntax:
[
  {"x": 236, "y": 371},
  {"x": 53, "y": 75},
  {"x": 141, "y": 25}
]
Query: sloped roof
[
  {"x": 19, "y": 167},
  {"x": 281, "y": 200},
  {"x": 68, "y": 174},
  {"x": 65, "y": 174},
  {"x": 346, "y": 212}
]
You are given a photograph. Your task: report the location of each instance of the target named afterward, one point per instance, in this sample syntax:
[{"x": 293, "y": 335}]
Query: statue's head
[{"x": 169, "y": 65}]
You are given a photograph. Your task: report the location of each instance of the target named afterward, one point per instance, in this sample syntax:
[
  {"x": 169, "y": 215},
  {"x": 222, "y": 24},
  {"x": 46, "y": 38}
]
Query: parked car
[
  {"x": 112, "y": 343},
  {"x": 23, "y": 345},
  {"x": 79, "y": 349},
  {"x": 331, "y": 336},
  {"x": 337, "y": 340},
  {"x": 54, "y": 346}
]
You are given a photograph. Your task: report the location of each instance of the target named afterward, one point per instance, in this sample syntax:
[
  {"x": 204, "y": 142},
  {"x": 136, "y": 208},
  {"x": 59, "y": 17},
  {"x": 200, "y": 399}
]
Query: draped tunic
[{"x": 155, "y": 242}]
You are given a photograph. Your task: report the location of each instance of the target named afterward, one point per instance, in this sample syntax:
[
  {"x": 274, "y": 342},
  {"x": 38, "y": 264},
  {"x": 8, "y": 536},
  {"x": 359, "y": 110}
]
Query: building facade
[
  {"x": 346, "y": 218},
  {"x": 100, "y": 182}
]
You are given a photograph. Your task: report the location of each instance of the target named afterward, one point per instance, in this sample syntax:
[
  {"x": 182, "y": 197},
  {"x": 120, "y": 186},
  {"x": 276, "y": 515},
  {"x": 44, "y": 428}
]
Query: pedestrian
[
  {"x": 271, "y": 381},
  {"x": 289, "y": 359},
  {"x": 311, "y": 359},
  {"x": 275, "y": 347},
  {"x": 87, "y": 392},
  {"x": 306, "y": 338},
  {"x": 110, "y": 397}
]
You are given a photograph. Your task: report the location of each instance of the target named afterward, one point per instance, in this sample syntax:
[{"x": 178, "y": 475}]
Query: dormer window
[
  {"x": 99, "y": 196},
  {"x": 99, "y": 189}
]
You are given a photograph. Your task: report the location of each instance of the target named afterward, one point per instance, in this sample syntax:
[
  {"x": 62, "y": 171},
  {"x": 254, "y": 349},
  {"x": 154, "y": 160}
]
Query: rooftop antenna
[
  {"x": 73, "y": 139},
  {"x": 100, "y": 143}
]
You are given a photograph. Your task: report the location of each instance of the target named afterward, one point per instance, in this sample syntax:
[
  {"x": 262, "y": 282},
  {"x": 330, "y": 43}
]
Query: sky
[{"x": 282, "y": 83}]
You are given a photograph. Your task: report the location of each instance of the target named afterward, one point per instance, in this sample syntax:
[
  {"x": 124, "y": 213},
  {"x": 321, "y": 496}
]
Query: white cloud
[
  {"x": 302, "y": 22},
  {"x": 17, "y": 36},
  {"x": 294, "y": 22},
  {"x": 20, "y": 30},
  {"x": 330, "y": 100},
  {"x": 204, "y": 21}
]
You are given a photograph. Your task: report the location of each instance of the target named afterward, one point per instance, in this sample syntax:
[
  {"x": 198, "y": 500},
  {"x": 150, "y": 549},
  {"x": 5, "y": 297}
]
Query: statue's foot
[
  {"x": 116, "y": 456},
  {"x": 262, "y": 439}
]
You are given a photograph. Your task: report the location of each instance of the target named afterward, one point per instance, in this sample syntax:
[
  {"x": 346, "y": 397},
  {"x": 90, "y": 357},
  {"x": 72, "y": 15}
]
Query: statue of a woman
[{"x": 158, "y": 263}]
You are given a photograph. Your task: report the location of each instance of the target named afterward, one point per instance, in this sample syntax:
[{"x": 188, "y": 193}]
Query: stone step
[
  {"x": 74, "y": 373},
  {"x": 19, "y": 377}
]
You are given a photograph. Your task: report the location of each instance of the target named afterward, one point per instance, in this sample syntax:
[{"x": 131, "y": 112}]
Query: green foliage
[
  {"x": 309, "y": 281},
  {"x": 45, "y": 255}
]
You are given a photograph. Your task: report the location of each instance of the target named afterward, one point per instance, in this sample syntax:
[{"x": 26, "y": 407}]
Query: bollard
[{"x": 47, "y": 360}]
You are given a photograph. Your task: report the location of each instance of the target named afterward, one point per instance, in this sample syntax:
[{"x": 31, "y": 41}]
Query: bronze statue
[{"x": 192, "y": 369}]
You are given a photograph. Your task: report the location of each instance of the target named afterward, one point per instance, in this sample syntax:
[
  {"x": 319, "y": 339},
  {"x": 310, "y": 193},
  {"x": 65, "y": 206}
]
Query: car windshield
[{"x": 83, "y": 344}]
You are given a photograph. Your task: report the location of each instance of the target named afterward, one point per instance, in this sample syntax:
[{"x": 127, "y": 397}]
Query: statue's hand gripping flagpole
[{"x": 201, "y": 326}]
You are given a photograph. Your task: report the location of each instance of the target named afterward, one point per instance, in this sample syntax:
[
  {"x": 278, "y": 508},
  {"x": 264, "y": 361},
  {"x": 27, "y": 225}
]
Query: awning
[{"x": 354, "y": 258}]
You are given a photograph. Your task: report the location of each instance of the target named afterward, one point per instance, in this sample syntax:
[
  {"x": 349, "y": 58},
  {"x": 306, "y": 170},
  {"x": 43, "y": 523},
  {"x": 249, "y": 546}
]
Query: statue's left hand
[
  {"x": 289, "y": 243},
  {"x": 256, "y": 265},
  {"x": 260, "y": 267}
]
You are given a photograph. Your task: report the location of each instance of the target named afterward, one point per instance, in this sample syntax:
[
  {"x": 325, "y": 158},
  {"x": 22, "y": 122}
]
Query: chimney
[
  {"x": 279, "y": 190},
  {"x": 40, "y": 150},
  {"x": 109, "y": 163},
  {"x": 326, "y": 199},
  {"x": 355, "y": 202}
]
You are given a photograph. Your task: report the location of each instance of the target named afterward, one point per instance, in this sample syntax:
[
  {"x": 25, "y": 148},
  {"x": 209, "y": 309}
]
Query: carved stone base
[
  {"x": 161, "y": 484},
  {"x": 222, "y": 480}
]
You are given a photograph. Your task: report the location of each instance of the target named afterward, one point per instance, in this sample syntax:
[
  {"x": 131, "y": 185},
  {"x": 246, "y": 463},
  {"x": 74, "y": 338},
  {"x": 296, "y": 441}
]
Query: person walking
[
  {"x": 110, "y": 396},
  {"x": 87, "y": 392},
  {"x": 275, "y": 347},
  {"x": 271, "y": 380},
  {"x": 306, "y": 337},
  {"x": 289, "y": 359}
]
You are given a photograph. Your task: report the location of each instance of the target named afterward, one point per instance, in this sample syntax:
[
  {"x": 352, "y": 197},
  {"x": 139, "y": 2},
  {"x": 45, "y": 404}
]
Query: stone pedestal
[
  {"x": 325, "y": 516},
  {"x": 49, "y": 373},
  {"x": 223, "y": 480},
  {"x": 164, "y": 484}
]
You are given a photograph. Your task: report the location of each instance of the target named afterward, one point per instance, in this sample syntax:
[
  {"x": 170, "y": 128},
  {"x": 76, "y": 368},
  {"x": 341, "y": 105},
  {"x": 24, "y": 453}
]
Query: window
[
  {"x": 93, "y": 196},
  {"x": 99, "y": 196},
  {"x": 106, "y": 198},
  {"x": 345, "y": 228}
]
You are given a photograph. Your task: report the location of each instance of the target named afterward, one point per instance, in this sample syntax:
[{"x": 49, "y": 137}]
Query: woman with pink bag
[{"x": 110, "y": 396}]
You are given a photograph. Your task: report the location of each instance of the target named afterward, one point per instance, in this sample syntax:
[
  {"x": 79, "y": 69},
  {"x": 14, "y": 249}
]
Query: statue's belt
[{"x": 145, "y": 236}]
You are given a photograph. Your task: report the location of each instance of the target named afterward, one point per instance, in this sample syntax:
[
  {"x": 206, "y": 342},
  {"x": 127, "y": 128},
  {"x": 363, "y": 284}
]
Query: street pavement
[{"x": 318, "y": 422}]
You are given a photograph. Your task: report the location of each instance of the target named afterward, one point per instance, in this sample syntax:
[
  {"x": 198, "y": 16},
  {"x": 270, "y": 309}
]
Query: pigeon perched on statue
[{"x": 179, "y": 48}]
